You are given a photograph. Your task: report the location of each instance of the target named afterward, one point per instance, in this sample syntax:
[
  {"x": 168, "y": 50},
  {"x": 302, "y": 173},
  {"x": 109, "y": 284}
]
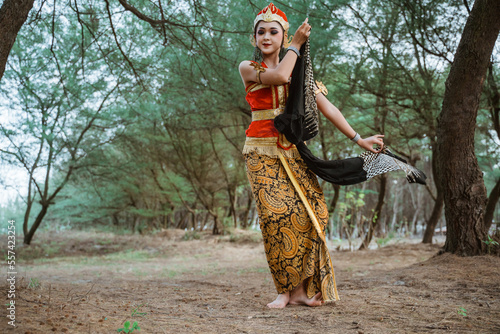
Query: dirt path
[{"x": 93, "y": 283}]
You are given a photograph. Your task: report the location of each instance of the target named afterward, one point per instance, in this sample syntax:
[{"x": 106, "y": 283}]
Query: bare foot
[
  {"x": 299, "y": 297},
  {"x": 281, "y": 301}
]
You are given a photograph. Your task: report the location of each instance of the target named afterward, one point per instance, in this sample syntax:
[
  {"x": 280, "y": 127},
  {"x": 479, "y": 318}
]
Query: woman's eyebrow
[{"x": 262, "y": 28}]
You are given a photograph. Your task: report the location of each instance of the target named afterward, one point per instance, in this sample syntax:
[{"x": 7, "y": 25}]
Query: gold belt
[
  {"x": 266, "y": 141},
  {"x": 260, "y": 115}
]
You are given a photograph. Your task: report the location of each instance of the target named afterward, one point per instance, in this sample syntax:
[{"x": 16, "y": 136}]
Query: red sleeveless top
[{"x": 265, "y": 97}]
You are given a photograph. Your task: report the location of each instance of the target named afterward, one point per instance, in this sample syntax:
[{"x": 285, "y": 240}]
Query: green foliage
[
  {"x": 349, "y": 212},
  {"x": 34, "y": 284},
  {"x": 191, "y": 235},
  {"x": 490, "y": 243},
  {"x": 462, "y": 311},
  {"x": 127, "y": 328},
  {"x": 381, "y": 242},
  {"x": 135, "y": 311}
]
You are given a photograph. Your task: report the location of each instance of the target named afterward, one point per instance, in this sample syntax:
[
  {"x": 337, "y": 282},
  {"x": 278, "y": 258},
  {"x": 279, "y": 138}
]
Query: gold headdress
[{"x": 272, "y": 13}]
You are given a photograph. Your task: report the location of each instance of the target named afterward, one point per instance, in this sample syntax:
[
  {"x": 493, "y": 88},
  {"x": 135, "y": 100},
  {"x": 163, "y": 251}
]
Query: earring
[
  {"x": 252, "y": 40},
  {"x": 287, "y": 40},
  {"x": 257, "y": 55}
]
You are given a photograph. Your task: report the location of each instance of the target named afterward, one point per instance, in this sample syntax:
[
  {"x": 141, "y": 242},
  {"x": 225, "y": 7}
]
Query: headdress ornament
[{"x": 272, "y": 13}]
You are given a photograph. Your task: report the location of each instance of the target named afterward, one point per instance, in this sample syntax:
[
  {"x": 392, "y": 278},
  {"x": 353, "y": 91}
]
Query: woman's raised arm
[
  {"x": 334, "y": 115},
  {"x": 280, "y": 74}
]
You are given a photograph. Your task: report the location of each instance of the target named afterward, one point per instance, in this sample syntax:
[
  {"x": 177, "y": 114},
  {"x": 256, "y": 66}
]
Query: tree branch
[{"x": 119, "y": 46}]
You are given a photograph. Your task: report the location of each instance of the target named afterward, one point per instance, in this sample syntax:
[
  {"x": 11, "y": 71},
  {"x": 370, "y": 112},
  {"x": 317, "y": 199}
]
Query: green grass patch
[
  {"x": 253, "y": 270},
  {"x": 202, "y": 256},
  {"x": 191, "y": 235},
  {"x": 34, "y": 283},
  {"x": 170, "y": 273},
  {"x": 127, "y": 255}
]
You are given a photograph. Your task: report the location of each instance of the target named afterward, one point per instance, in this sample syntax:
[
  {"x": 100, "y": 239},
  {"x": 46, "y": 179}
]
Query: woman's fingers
[
  {"x": 373, "y": 140},
  {"x": 378, "y": 139},
  {"x": 371, "y": 149},
  {"x": 381, "y": 141},
  {"x": 306, "y": 27},
  {"x": 302, "y": 33}
]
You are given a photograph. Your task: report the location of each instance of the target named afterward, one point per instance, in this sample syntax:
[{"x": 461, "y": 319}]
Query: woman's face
[{"x": 269, "y": 36}]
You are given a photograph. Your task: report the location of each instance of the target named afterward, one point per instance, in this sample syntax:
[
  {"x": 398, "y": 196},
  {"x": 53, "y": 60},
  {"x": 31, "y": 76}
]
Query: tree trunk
[
  {"x": 116, "y": 221},
  {"x": 215, "y": 229},
  {"x": 462, "y": 180},
  {"x": 183, "y": 221},
  {"x": 395, "y": 206},
  {"x": 28, "y": 236},
  {"x": 29, "y": 204},
  {"x": 233, "y": 198},
  {"x": 434, "y": 219},
  {"x": 490, "y": 207},
  {"x": 438, "y": 203},
  {"x": 13, "y": 14},
  {"x": 376, "y": 213},
  {"x": 335, "y": 199},
  {"x": 333, "y": 205},
  {"x": 246, "y": 214},
  {"x": 414, "y": 221}
]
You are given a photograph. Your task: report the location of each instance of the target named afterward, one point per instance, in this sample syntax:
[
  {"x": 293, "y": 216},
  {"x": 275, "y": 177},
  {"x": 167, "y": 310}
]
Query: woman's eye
[
  {"x": 274, "y": 32},
  {"x": 260, "y": 32}
]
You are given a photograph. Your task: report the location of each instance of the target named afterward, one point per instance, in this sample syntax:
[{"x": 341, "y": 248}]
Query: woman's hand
[
  {"x": 368, "y": 143},
  {"x": 301, "y": 35}
]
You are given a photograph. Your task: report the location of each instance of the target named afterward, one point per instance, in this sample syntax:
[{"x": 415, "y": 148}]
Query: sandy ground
[{"x": 85, "y": 282}]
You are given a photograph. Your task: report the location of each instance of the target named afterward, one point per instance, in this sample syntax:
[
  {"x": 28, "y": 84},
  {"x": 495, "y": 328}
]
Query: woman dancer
[{"x": 291, "y": 205}]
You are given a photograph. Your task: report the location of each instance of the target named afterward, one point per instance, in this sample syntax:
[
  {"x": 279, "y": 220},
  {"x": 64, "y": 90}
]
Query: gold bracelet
[{"x": 258, "y": 68}]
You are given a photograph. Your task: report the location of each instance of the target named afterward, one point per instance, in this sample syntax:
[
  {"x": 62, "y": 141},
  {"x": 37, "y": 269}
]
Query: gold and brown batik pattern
[{"x": 293, "y": 248}]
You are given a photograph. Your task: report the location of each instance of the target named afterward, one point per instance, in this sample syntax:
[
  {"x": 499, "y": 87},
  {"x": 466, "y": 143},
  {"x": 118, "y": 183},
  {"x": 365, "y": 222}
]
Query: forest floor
[{"x": 88, "y": 282}]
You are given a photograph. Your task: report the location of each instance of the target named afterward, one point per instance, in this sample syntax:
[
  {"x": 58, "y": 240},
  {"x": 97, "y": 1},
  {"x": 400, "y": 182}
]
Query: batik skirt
[{"x": 295, "y": 252}]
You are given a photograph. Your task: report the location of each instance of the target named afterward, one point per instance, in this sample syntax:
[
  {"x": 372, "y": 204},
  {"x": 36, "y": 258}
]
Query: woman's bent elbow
[{"x": 283, "y": 79}]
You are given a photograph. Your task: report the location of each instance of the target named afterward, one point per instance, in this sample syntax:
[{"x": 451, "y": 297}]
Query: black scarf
[{"x": 291, "y": 124}]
